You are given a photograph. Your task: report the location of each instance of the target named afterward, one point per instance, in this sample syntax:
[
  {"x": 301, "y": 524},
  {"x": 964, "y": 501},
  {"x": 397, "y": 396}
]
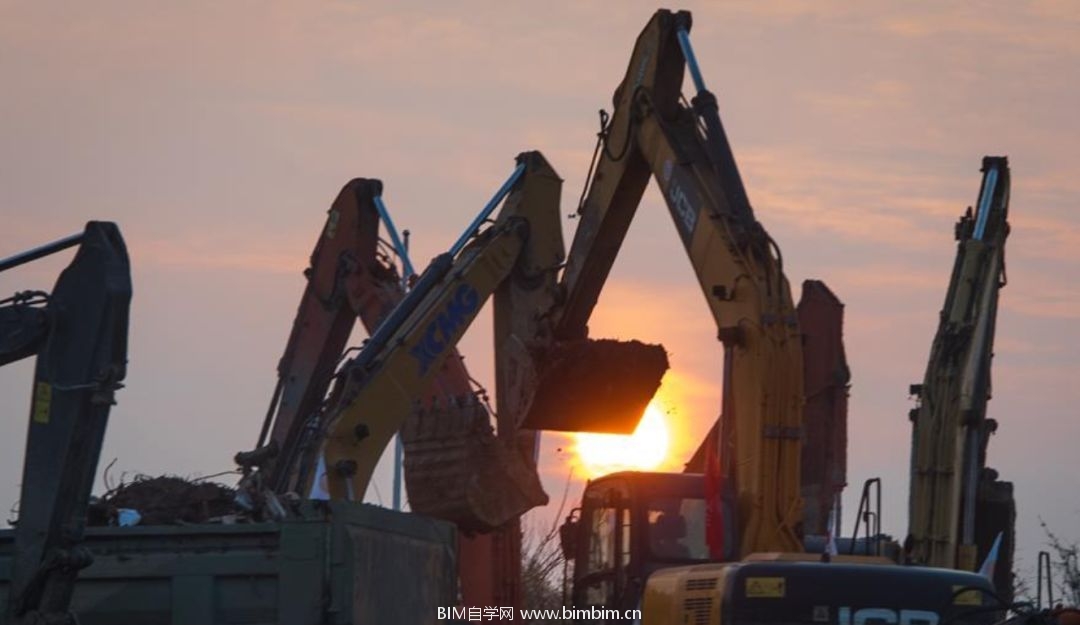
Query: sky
[{"x": 217, "y": 134}]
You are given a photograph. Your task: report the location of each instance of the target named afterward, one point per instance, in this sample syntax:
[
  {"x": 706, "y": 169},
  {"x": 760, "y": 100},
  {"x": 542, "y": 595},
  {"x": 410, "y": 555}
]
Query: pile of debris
[{"x": 163, "y": 500}]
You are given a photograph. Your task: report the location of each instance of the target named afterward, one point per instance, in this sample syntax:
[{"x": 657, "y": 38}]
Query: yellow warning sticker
[
  {"x": 42, "y": 403},
  {"x": 764, "y": 587},
  {"x": 968, "y": 597}
]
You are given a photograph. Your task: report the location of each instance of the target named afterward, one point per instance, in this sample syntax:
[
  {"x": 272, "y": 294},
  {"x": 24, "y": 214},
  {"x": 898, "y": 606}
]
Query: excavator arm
[
  {"x": 79, "y": 334},
  {"x": 448, "y": 441},
  {"x": 346, "y": 279},
  {"x": 684, "y": 148},
  {"x": 950, "y": 428},
  {"x": 349, "y": 277},
  {"x": 375, "y": 392},
  {"x": 517, "y": 259}
]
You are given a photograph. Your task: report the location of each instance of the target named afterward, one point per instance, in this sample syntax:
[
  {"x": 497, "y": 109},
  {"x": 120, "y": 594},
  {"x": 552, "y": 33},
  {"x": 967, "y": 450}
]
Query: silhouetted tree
[
  {"x": 542, "y": 562},
  {"x": 1066, "y": 573}
]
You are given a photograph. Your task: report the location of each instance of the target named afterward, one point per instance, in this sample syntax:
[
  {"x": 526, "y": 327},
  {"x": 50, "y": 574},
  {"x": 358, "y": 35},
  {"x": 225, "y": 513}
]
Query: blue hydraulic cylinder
[
  {"x": 986, "y": 201},
  {"x": 399, "y": 247},
  {"x": 691, "y": 60},
  {"x": 488, "y": 209}
]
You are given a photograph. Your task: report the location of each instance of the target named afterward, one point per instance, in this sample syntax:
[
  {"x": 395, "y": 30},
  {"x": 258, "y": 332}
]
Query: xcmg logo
[
  {"x": 440, "y": 332},
  {"x": 885, "y": 616}
]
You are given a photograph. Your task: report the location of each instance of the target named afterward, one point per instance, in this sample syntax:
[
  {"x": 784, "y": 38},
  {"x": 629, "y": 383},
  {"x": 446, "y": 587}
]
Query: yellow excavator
[
  {"x": 724, "y": 547},
  {"x": 957, "y": 508}
]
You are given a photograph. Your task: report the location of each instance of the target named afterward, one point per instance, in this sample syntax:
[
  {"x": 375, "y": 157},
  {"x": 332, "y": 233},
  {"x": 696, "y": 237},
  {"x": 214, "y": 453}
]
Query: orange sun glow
[{"x": 644, "y": 450}]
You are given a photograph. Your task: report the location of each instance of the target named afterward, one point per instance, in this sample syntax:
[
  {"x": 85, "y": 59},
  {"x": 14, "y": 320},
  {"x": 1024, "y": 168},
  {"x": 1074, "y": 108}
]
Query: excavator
[
  {"x": 516, "y": 259},
  {"x": 957, "y": 506},
  {"x": 78, "y": 333},
  {"x": 331, "y": 426},
  {"x": 723, "y": 547},
  {"x": 353, "y": 275}
]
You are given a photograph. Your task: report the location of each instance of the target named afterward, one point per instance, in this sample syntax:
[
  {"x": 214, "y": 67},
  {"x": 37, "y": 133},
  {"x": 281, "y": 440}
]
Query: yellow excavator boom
[{"x": 738, "y": 267}]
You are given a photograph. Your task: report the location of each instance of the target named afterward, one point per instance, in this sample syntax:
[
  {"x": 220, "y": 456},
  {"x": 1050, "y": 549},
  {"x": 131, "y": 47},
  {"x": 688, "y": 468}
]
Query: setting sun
[{"x": 643, "y": 450}]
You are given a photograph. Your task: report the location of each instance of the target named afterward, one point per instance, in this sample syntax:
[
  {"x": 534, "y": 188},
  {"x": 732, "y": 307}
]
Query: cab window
[
  {"x": 677, "y": 529},
  {"x": 601, "y": 540}
]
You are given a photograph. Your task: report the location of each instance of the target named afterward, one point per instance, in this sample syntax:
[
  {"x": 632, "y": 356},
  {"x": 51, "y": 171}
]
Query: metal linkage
[
  {"x": 691, "y": 60},
  {"x": 716, "y": 141},
  {"x": 986, "y": 202},
  {"x": 488, "y": 209},
  {"x": 402, "y": 250},
  {"x": 40, "y": 251},
  {"x": 431, "y": 277},
  {"x": 399, "y": 247}
]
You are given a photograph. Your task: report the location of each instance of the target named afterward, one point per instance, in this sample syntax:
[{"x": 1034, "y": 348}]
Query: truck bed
[{"x": 341, "y": 563}]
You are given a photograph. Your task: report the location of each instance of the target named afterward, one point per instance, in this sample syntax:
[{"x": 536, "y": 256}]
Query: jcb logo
[
  {"x": 680, "y": 201},
  {"x": 440, "y": 333},
  {"x": 885, "y": 616},
  {"x": 683, "y": 208}
]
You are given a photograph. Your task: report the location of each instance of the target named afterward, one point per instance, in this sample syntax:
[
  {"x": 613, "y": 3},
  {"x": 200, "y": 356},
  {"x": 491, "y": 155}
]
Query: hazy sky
[{"x": 217, "y": 134}]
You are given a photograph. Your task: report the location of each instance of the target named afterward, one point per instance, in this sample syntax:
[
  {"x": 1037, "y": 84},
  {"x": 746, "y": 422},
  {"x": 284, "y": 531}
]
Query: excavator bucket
[
  {"x": 456, "y": 469},
  {"x": 596, "y": 386}
]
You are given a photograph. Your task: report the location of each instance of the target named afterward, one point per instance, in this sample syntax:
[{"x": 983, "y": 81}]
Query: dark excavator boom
[
  {"x": 79, "y": 333},
  {"x": 347, "y": 279}
]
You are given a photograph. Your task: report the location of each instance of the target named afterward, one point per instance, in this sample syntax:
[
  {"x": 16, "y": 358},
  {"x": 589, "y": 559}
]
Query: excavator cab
[
  {"x": 637, "y": 527},
  {"x": 630, "y": 525}
]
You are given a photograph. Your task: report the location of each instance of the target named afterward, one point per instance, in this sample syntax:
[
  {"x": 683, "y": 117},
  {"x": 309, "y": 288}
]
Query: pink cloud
[{"x": 204, "y": 255}]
